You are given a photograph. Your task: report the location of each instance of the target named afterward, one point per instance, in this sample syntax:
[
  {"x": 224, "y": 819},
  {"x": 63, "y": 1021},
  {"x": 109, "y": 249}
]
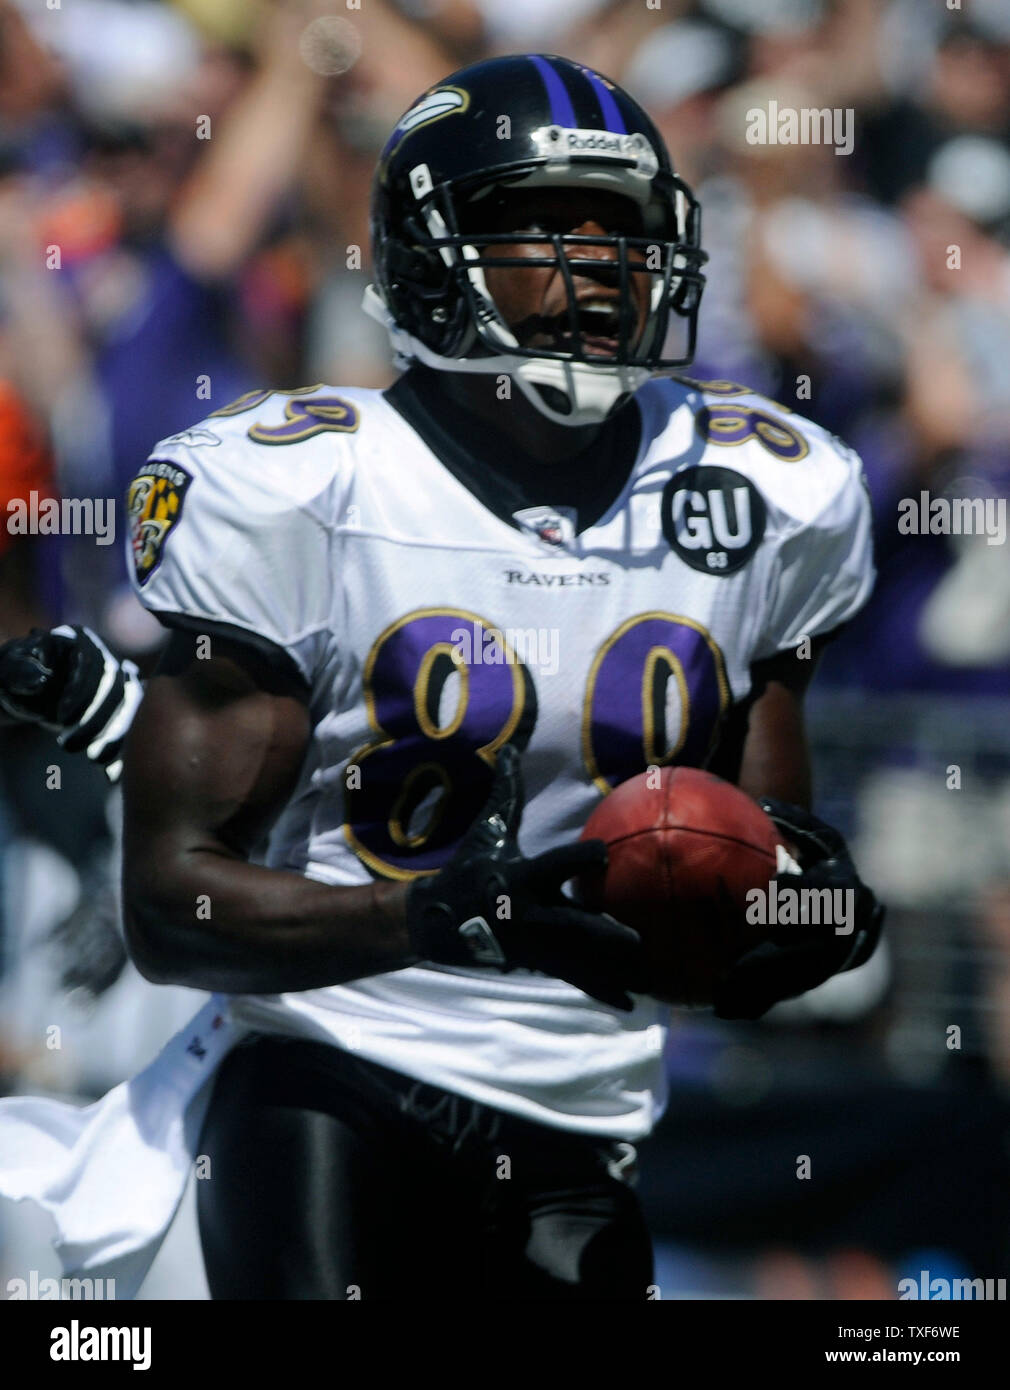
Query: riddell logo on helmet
[
  {"x": 558, "y": 142},
  {"x": 594, "y": 142},
  {"x": 602, "y": 142}
]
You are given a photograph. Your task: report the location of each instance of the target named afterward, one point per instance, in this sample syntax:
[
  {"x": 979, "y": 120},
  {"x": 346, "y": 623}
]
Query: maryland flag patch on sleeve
[{"x": 154, "y": 506}]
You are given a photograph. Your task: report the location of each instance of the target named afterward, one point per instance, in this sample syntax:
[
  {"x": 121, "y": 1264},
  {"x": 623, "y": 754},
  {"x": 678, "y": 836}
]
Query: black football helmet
[{"x": 521, "y": 123}]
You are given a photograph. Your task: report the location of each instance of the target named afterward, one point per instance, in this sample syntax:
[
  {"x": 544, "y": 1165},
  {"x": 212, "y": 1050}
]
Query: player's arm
[
  {"x": 765, "y": 750},
  {"x": 763, "y": 747},
  {"x": 821, "y": 574},
  {"x": 213, "y": 755}
]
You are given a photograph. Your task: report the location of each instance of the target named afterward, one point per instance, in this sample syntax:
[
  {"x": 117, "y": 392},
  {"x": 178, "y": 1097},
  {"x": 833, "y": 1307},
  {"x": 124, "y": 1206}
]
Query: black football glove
[
  {"x": 490, "y": 906},
  {"x": 68, "y": 681},
  {"x": 793, "y": 959}
]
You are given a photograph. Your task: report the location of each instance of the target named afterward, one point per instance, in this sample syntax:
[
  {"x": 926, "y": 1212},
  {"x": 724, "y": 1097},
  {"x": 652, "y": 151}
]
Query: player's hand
[
  {"x": 68, "y": 681},
  {"x": 491, "y": 906},
  {"x": 794, "y": 959},
  {"x": 32, "y": 676}
]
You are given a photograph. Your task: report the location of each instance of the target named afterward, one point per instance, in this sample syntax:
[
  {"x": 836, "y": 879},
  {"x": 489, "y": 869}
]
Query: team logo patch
[
  {"x": 433, "y": 106},
  {"x": 713, "y": 518},
  {"x": 154, "y": 506}
]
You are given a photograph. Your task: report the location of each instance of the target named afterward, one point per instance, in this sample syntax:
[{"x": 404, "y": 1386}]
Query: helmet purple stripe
[
  {"x": 562, "y": 111},
  {"x": 612, "y": 118}
]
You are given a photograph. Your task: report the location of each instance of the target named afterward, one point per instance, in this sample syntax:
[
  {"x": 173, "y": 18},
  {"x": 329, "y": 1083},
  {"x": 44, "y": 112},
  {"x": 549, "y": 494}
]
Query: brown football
[{"x": 684, "y": 849}]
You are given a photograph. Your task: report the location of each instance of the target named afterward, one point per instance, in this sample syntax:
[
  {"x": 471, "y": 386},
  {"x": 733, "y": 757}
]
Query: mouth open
[{"x": 599, "y": 326}]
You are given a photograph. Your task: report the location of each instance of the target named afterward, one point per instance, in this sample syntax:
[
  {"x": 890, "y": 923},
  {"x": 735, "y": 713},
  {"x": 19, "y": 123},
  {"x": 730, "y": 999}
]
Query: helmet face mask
[{"x": 442, "y": 231}]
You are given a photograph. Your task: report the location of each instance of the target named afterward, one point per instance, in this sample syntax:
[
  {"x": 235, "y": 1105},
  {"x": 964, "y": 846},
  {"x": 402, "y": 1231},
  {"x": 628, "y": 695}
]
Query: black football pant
[{"x": 334, "y": 1178}]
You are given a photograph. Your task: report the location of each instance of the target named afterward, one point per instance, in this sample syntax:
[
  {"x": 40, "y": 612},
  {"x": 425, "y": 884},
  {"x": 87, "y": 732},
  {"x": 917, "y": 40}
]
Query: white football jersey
[{"x": 429, "y": 632}]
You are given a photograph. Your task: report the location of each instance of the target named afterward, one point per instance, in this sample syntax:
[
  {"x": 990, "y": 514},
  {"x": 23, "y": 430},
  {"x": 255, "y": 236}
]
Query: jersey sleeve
[
  {"x": 234, "y": 542},
  {"x": 822, "y": 572}
]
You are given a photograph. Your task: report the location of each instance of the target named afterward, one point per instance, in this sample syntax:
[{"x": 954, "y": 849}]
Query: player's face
[{"x": 534, "y": 302}]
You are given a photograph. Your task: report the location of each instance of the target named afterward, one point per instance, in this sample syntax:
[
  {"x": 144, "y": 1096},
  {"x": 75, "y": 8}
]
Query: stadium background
[{"x": 193, "y": 268}]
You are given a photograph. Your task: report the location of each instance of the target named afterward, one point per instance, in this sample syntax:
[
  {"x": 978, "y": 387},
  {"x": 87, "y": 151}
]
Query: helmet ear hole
[{"x": 416, "y": 266}]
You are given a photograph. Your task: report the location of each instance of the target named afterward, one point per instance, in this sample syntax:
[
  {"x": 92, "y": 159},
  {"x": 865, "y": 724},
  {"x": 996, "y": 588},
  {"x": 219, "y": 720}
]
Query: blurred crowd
[{"x": 184, "y": 216}]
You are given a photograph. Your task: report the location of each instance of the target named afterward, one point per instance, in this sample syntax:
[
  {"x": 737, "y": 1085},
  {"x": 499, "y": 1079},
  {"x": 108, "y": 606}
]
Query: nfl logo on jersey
[{"x": 554, "y": 526}]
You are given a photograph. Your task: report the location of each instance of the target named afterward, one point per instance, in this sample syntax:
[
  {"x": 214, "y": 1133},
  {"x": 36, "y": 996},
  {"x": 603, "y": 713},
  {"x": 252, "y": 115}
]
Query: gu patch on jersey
[
  {"x": 714, "y": 518},
  {"x": 154, "y": 505}
]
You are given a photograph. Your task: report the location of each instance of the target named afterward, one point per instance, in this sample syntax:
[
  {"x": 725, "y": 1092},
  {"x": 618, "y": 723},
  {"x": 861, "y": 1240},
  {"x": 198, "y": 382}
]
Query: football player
[{"x": 415, "y": 636}]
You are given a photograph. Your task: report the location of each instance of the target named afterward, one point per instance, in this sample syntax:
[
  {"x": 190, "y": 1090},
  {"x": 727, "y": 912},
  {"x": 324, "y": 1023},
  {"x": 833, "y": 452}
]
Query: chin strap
[{"x": 592, "y": 392}]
